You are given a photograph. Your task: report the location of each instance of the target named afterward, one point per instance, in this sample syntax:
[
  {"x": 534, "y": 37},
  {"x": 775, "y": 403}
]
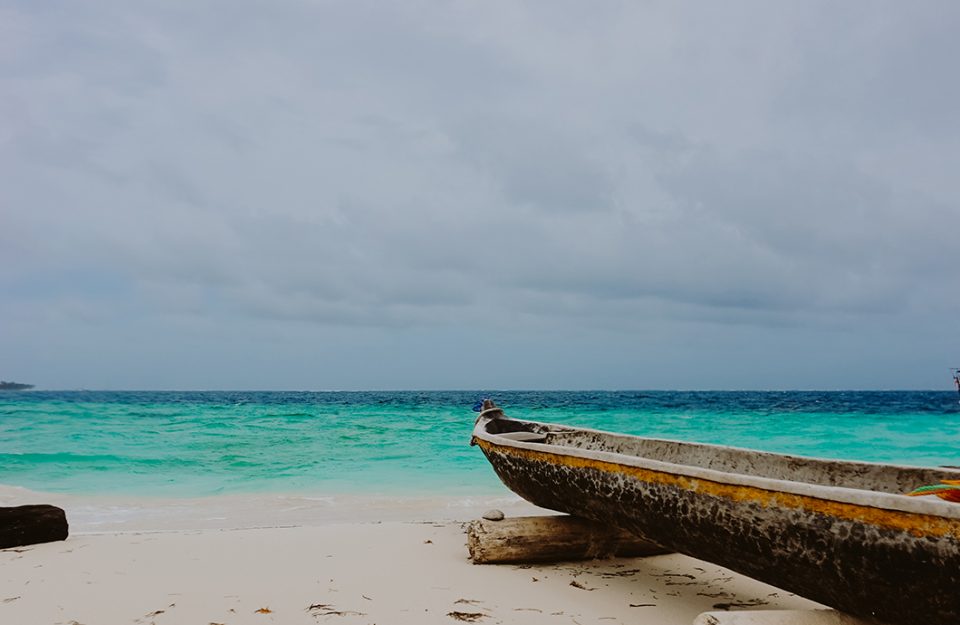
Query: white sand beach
[{"x": 322, "y": 568}]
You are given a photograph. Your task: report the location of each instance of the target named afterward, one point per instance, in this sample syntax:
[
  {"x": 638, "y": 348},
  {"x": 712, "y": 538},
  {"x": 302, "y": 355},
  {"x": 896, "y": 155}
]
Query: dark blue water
[{"x": 201, "y": 443}]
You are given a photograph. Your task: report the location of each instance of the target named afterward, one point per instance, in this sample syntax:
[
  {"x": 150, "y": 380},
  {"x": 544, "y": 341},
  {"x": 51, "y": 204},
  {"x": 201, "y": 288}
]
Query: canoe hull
[{"x": 889, "y": 565}]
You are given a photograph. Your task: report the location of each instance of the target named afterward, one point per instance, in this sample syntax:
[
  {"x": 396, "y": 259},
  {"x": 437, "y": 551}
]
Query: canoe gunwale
[{"x": 847, "y": 495}]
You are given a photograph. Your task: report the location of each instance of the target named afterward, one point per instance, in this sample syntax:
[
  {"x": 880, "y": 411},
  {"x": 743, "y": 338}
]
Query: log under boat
[{"x": 840, "y": 533}]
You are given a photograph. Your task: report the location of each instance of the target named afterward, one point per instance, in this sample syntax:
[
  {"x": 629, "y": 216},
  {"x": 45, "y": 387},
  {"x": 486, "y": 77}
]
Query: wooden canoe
[{"x": 840, "y": 533}]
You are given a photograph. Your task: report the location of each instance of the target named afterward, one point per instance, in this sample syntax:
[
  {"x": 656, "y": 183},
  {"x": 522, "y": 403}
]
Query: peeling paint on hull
[{"x": 845, "y": 547}]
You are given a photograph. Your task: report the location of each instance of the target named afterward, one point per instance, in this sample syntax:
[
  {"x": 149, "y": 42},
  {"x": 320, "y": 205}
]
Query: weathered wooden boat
[{"x": 840, "y": 533}]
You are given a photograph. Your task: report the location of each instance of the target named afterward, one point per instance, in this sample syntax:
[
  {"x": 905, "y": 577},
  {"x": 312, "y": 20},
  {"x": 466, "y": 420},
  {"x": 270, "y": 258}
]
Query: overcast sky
[{"x": 431, "y": 195}]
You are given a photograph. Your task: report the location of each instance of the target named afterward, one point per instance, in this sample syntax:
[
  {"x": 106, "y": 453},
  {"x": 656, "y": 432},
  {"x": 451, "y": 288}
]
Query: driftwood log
[
  {"x": 29, "y": 525},
  {"x": 551, "y": 539}
]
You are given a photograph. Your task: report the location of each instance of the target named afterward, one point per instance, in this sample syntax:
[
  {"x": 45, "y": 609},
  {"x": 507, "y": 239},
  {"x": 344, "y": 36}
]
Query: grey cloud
[
  {"x": 847, "y": 238},
  {"x": 534, "y": 164},
  {"x": 872, "y": 70},
  {"x": 462, "y": 171}
]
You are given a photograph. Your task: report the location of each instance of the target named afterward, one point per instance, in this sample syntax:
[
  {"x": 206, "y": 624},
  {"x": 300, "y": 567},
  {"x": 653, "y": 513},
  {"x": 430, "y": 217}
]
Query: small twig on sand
[
  {"x": 326, "y": 609},
  {"x": 468, "y": 617}
]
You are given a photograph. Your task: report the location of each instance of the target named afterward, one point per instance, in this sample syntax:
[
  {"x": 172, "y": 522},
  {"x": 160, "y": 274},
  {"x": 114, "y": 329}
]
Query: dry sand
[{"x": 328, "y": 571}]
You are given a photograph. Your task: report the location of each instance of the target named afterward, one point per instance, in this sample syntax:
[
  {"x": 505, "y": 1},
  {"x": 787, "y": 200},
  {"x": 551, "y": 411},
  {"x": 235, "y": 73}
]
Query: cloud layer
[{"x": 639, "y": 188}]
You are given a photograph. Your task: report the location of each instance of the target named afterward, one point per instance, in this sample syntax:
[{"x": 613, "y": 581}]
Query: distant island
[{"x": 14, "y": 386}]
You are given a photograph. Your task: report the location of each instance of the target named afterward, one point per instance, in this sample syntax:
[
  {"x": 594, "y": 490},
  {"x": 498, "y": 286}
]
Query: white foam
[{"x": 108, "y": 514}]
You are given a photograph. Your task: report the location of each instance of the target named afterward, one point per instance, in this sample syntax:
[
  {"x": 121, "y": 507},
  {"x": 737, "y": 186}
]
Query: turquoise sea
[{"x": 186, "y": 444}]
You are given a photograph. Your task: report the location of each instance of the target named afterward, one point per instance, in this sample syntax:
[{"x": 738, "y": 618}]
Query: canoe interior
[{"x": 880, "y": 478}]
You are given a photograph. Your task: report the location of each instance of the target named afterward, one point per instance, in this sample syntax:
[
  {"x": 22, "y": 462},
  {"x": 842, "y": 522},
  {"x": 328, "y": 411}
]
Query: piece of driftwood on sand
[
  {"x": 32, "y": 524},
  {"x": 551, "y": 539}
]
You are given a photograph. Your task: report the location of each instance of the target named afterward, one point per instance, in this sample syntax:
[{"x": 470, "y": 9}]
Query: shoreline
[{"x": 109, "y": 514}]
